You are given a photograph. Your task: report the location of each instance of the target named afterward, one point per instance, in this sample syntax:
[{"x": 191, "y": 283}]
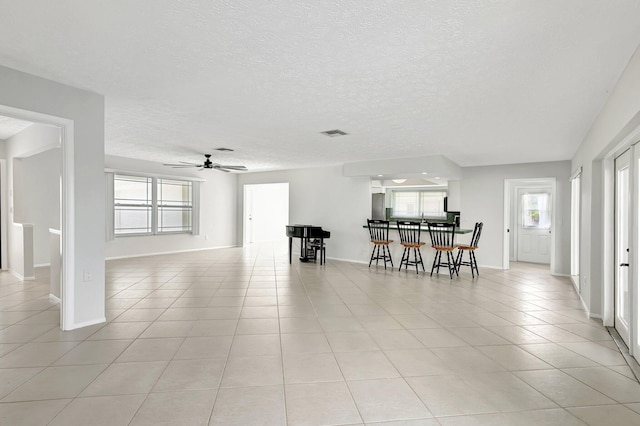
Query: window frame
[
  {"x": 111, "y": 176},
  {"x": 526, "y": 212},
  {"x": 159, "y": 207},
  {"x": 148, "y": 205},
  {"x": 419, "y": 192}
]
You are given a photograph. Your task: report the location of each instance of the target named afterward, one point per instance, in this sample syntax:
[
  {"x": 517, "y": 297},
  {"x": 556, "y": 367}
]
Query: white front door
[
  {"x": 622, "y": 208},
  {"x": 534, "y": 225}
]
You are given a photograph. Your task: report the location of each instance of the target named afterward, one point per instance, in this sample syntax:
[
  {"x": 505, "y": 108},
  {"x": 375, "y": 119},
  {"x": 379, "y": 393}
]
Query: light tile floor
[{"x": 240, "y": 337}]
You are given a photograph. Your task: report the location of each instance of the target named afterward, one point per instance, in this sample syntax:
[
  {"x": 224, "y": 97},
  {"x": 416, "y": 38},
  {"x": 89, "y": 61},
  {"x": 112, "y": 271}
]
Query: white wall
[
  {"x": 37, "y": 199},
  {"x": 42, "y": 187},
  {"x": 482, "y": 200},
  {"x": 618, "y": 118},
  {"x": 323, "y": 196},
  {"x": 217, "y": 212},
  {"x": 453, "y": 195},
  {"x": 84, "y": 155}
]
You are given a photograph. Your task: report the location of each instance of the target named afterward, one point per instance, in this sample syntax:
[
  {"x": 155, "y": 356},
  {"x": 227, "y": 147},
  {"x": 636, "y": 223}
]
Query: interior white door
[
  {"x": 266, "y": 212},
  {"x": 248, "y": 214},
  {"x": 534, "y": 225},
  {"x": 622, "y": 206}
]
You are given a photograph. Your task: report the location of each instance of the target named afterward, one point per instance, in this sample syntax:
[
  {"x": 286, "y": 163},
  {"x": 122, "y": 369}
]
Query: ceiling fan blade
[
  {"x": 232, "y": 167},
  {"x": 220, "y": 168},
  {"x": 185, "y": 162}
]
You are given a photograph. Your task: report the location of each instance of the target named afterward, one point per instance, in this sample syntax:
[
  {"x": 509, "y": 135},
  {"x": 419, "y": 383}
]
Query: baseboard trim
[
  {"x": 498, "y": 268},
  {"x": 54, "y": 299},
  {"x": 41, "y": 265},
  {"x": 339, "y": 259},
  {"x": 88, "y": 323},
  {"x": 168, "y": 252},
  {"x": 575, "y": 279},
  {"x": 20, "y": 276},
  {"x": 624, "y": 351}
]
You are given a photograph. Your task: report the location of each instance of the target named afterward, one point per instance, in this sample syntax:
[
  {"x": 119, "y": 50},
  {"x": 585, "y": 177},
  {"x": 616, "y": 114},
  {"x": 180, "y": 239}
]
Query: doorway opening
[
  {"x": 529, "y": 218},
  {"x": 65, "y": 142},
  {"x": 265, "y": 212}
]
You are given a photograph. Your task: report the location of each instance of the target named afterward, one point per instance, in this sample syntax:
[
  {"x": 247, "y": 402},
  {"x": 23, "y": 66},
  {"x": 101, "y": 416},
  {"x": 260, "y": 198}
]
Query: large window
[
  {"x": 150, "y": 205},
  {"x": 413, "y": 204},
  {"x": 133, "y": 205},
  {"x": 174, "y": 205}
]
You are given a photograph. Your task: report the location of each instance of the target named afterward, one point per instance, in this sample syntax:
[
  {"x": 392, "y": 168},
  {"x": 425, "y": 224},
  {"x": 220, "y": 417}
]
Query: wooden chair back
[
  {"x": 378, "y": 230},
  {"x": 442, "y": 234},
  {"x": 409, "y": 232}
]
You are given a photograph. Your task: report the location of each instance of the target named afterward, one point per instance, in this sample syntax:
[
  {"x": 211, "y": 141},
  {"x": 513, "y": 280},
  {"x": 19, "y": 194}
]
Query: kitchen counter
[{"x": 424, "y": 228}]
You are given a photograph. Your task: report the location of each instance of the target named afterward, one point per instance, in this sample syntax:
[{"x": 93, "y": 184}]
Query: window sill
[{"x": 154, "y": 235}]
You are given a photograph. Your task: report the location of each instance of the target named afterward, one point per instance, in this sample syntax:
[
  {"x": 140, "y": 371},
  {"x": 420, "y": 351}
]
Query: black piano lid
[{"x": 306, "y": 231}]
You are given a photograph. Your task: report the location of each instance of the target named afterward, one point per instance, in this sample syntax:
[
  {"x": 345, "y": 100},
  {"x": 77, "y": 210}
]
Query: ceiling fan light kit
[{"x": 208, "y": 164}]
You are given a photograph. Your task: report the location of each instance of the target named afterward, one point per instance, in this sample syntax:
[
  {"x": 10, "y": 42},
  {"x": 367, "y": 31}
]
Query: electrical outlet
[{"x": 88, "y": 276}]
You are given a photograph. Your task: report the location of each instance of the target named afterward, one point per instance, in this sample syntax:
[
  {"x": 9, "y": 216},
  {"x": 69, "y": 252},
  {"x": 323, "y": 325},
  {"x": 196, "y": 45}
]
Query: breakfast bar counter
[{"x": 425, "y": 228}]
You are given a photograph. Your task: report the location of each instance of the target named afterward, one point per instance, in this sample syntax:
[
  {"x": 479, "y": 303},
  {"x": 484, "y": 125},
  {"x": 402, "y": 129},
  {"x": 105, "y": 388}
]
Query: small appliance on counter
[{"x": 453, "y": 216}]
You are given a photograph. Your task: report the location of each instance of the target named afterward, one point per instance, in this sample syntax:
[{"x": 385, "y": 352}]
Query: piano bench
[{"x": 318, "y": 245}]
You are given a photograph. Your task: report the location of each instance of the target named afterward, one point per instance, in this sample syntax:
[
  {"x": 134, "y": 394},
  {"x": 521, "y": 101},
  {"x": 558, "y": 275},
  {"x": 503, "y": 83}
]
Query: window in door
[{"x": 536, "y": 211}]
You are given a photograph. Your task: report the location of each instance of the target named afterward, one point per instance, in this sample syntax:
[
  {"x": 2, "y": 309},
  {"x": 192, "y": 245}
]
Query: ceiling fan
[{"x": 208, "y": 164}]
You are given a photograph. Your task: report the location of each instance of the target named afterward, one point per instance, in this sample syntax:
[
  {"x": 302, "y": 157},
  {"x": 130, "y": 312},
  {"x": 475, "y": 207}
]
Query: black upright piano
[{"x": 311, "y": 241}]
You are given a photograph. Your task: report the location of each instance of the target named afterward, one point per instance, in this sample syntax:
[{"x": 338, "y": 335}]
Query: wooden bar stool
[
  {"x": 442, "y": 238},
  {"x": 379, "y": 234},
  {"x": 471, "y": 248},
  {"x": 410, "y": 239}
]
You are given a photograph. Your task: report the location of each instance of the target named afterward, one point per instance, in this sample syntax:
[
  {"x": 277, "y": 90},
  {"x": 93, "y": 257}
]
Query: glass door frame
[
  {"x": 608, "y": 257},
  {"x": 634, "y": 255},
  {"x": 623, "y": 241}
]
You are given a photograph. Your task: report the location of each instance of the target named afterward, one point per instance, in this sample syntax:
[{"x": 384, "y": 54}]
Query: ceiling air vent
[
  {"x": 334, "y": 133},
  {"x": 224, "y": 149}
]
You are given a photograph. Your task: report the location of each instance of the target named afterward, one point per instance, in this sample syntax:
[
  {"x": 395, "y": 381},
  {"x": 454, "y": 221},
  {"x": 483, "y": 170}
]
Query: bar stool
[
  {"x": 442, "y": 236},
  {"x": 471, "y": 248},
  {"x": 410, "y": 239},
  {"x": 379, "y": 234}
]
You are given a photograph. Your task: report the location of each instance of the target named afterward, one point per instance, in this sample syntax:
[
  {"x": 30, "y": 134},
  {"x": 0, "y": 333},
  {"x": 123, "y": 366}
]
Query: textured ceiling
[
  {"x": 10, "y": 126},
  {"x": 482, "y": 82}
]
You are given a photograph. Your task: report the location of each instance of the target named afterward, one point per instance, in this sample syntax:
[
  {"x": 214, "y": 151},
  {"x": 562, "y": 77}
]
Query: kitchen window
[{"x": 414, "y": 204}]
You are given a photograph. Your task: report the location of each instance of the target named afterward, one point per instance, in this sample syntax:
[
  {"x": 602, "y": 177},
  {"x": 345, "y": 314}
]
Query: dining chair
[
  {"x": 470, "y": 248},
  {"x": 442, "y": 241},
  {"x": 379, "y": 236},
  {"x": 410, "y": 239}
]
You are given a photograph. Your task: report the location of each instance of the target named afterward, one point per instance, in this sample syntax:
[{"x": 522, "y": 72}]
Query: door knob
[{"x": 624, "y": 264}]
